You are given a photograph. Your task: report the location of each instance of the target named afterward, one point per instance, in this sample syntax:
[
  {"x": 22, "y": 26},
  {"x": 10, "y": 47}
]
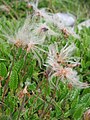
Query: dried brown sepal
[
  {"x": 65, "y": 32},
  {"x": 1, "y": 78},
  {"x": 70, "y": 86},
  {"x": 21, "y": 94},
  {"x": 18, "y": 43}
]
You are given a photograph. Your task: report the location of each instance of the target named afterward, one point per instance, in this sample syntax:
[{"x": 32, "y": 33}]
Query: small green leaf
[
  {"x": 30, "y": 70},
  {"x": 88, "y": 64},
  {"x": 78, "y": 112},
  {"x": 3, "y": 70},
  {"x": 18, "y": 65},
  {"x": 74, "y": 102},
  {"x": 3, "y": 117},
  {"x": 32, "y": 86},
  {"x": 85, "y": 98},
  {"x": 13, "y": 83},
  {"x": 83, "y": 64}
]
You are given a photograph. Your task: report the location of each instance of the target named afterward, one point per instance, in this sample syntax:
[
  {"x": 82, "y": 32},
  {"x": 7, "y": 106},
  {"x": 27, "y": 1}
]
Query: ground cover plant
[{"x": 44, "y": 65}]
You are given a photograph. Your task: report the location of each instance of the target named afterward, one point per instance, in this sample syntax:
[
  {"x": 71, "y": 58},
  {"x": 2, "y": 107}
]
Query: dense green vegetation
[{"x": 25, "y": 90}]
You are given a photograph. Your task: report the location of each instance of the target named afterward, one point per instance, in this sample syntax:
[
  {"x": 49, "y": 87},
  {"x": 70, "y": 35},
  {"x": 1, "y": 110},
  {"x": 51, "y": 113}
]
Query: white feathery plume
[
  {"x": 65, "y": 74},
  {"x": 27, "y": 38},
  {"x": 57, "y": 19},
  {"x": 86, "y": 24},
  {"x": 64, "y": 56},
  {"x": 44, "y": 30},
  {"x": 71, "y": 76},
  {"x": 66, "y": 18}
]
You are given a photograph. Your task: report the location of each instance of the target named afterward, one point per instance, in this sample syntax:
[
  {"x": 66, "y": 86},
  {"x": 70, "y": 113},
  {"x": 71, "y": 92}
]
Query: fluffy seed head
[{"x": 59, "y": 65}]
